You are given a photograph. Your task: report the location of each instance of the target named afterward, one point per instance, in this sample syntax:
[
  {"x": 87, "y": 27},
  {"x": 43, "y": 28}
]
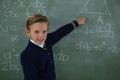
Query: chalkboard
[{"x": 91, "y": 52}]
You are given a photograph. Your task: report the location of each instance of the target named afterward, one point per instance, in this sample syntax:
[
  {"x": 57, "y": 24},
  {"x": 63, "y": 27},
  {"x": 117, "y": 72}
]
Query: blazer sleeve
[
  {"x": 54, "y": 37},
  {"x": 29, "y": 68}
]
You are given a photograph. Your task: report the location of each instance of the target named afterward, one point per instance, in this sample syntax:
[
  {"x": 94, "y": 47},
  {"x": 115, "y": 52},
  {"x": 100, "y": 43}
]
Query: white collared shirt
[{"x": 36, "y": 43}]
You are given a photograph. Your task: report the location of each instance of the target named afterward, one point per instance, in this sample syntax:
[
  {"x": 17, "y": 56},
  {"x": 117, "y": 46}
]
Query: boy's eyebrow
[{"x": 36, "y": 31}]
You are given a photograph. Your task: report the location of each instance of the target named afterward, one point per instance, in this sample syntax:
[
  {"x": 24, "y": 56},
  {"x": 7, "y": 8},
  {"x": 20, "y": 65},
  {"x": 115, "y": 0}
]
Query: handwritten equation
[
  {"x": 5, "y": 26},
  {"x": 90, "y": 45},
  {"x": 19, "y": 9},
  {"x": 101, "y": 30},
  {"x": 10, "y": 60}
]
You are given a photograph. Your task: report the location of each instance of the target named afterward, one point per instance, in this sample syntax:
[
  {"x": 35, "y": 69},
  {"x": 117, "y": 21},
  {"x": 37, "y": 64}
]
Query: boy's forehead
[{"x": 39, "y": 25}]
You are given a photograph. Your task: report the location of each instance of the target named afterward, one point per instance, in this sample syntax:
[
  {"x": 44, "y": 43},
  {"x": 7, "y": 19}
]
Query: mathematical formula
[
  {"x": 9, "y": 58},
  {"x": 11, "y": 8}
]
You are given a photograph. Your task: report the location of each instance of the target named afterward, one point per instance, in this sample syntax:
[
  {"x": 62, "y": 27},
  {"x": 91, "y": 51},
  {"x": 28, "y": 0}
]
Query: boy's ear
[{"x": 27, "y": 32}]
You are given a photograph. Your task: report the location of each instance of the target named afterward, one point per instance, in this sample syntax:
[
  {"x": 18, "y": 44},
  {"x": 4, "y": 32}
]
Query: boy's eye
[
  {"x": 44, "y": 32},
  {"x": 36, "y": 32}
]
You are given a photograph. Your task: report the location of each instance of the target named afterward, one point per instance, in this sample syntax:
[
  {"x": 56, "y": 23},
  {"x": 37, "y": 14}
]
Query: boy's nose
[{"x": 40, "y": 35}]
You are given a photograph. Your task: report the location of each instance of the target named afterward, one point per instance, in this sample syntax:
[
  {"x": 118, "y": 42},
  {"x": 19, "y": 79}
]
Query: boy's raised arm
[{"x": 64, "y": 30}]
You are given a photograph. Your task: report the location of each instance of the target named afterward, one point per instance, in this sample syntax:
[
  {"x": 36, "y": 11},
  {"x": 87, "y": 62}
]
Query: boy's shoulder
[
  {"x": 24, "y": 53},
  {"x": 27, "y": 51}
]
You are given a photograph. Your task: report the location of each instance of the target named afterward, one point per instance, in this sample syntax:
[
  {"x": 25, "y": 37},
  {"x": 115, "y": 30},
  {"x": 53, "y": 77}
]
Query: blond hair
[{"x": 36, "y": 18}]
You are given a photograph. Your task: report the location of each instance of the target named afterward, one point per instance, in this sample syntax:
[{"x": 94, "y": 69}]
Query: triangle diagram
[{"x": 96, "y": 7}]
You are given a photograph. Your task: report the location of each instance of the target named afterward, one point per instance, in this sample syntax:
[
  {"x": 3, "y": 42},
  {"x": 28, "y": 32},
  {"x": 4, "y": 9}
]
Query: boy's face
[{"x": 38, "y": 32}]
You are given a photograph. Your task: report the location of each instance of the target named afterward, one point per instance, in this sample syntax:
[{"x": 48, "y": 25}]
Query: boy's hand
[{"x": 81, "y": 20}]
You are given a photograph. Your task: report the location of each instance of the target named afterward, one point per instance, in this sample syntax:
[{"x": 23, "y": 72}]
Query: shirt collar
[{"x": 36, "y": 43}]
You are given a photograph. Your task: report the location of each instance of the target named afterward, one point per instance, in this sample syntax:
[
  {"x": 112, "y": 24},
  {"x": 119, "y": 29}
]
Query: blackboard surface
[{"x": 91, "y": 52}]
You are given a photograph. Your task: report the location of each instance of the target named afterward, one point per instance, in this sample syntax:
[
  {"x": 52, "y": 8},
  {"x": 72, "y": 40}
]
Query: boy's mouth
[{"x": 40, "y": 40}]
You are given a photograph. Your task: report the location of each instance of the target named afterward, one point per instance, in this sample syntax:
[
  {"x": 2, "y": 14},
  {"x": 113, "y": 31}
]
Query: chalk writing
[
  {"x": 14, "y": 38},
  {"x": 37, "y": 4},
  {"x": 84, "y": 30},
  {"x": 104, "y": 30},
  {"x": 88, "y": 7},
  {"x": 6, "y": 3},
  {"x": 90, "y": 45},
  {"x": 8, "y": 63},
  {"x": 61, "y": 56},
  {"x": 9, "y": 66},
  {"x": 105, "y": 34},
  {"x": 9, "y": 3},
  {"x": 10, "y": 13},
  {"x": 100, "y": 20},
  {"x": 21, "y": 3},
  {"x": 11, "y": 8},
  {"x": 5, "y": 26}
]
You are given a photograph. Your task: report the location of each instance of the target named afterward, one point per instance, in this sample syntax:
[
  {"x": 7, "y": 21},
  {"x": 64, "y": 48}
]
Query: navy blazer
[{"x": 37, "y": 62}]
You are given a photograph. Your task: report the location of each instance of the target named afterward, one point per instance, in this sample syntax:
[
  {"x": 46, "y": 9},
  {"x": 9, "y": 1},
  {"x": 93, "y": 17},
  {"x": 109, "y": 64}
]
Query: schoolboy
[{"x": 37, "y": 58}]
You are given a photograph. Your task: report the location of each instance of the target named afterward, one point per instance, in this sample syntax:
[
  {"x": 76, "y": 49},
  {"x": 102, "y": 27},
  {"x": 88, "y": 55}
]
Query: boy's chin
[{"x": 40, "y": 42}]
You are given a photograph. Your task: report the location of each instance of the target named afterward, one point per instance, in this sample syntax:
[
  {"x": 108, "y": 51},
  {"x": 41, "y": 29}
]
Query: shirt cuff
[{"x": 75, "y": 24}]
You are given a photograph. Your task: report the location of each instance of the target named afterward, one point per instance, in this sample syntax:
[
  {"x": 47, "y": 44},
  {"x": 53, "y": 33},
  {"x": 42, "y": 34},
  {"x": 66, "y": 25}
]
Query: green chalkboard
[{"x": 91, "y": 52}]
